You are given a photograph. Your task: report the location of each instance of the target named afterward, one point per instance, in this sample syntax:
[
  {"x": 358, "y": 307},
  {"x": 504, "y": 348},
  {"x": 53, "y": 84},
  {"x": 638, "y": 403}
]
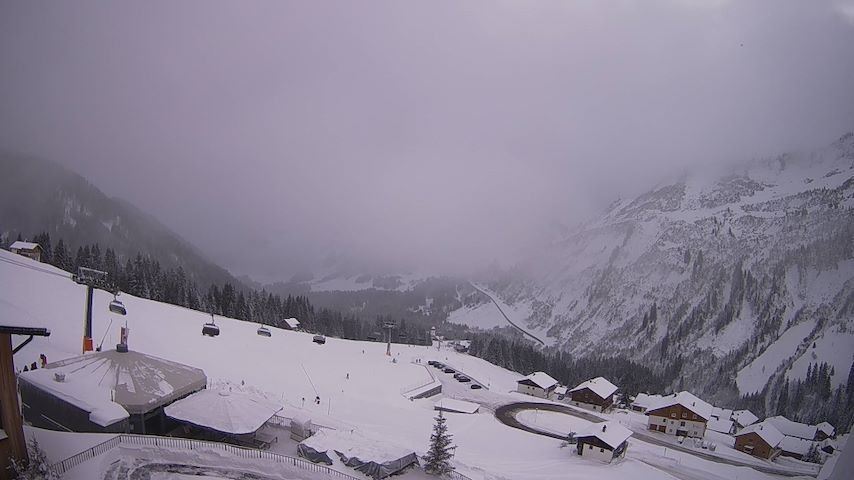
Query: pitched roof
[
  {"x": 722, "y": 425},
  {"x": 744, "y": 417},
  {"x": 687, "y": 400},
  {"x": 722, "y": 413},
  {"x": 561, "y": 390},
  {"x": 24, "y": 245},
  {"x": 644, "y": 400},
  {"x": 793, "y": 429},
  {"x": 766, "y": 431},
  {"x": 795, "y": 445},
  {"x": 540, "y": 379},
  {"x": 599, "y": 385},
  {"x": 292, "y": 322},
  {"x": 826, "y": 428},
  {"x": 610, "y": 432}
]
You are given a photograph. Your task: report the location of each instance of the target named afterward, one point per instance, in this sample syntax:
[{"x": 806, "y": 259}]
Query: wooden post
[{"x": 15, "y": 446}]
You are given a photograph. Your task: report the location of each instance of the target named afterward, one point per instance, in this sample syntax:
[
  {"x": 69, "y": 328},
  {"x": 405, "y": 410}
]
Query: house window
[
  {"x": 681, "y": 424},
  {"x": 684, "y": 415},
  {"x": 601, "y": 450},
  {"x": 693, "y": 417},
  {"x": 590, "y": 447},
  {"x": 673, "y": 414}
]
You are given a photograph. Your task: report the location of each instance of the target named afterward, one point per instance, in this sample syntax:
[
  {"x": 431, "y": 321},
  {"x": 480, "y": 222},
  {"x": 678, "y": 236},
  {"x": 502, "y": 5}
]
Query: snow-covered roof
[
  {"x": 540, "y": 379},
  {"x": 224, "y": 411},
  {"x": 722, "y": 425},
  {"x": 599, "y": 385},
  {"x": 687, "y": 400},
  {"x": 793, "y": 429},
  {"x": 610, "y": 432},
  {"x": 137, "y": 382},
  {"x": 354, "y": 444},
  {"x": 722, "y": 413},
  {"x": 292, "y": 322},
  {"x": 19, "y": 245},
  {"x": 766, "y": 431},
  {"x": 561, "y": 390},
  {"x": 744, "y": 417},
  {"x": 644, "y": 400},
  {"x": 452, "y": 405},
  {"x": 795, "y": 445},
  {"x": 826, "y": 428}
]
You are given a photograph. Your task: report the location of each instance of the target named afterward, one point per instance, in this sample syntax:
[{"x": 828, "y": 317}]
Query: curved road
[
  {"x": 506, "y": 414},
  {"x": 524, "y": 332}
]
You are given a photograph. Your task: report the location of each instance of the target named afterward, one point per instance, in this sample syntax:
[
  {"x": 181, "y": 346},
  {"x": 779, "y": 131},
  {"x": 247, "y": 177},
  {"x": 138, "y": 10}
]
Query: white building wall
[
  {"x": 694, "y": 428},
  {"x": 529, "y": 390},
  {"x": 597, "y": 453}
]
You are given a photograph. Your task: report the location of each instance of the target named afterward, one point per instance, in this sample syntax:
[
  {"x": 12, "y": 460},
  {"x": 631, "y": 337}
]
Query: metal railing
[{"x": 189, "y": 444}]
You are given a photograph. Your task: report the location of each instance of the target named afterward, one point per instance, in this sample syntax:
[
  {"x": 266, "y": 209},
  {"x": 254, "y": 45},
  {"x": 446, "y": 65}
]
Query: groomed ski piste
[{"x": 289, "y": 368}]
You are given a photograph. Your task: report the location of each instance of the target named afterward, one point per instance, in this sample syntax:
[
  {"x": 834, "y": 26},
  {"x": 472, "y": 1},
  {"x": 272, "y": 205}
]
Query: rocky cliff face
[{"x": 704, "y": 276}]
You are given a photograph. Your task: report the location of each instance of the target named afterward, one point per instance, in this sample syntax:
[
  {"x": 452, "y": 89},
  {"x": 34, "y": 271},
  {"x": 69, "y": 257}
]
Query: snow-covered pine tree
[
  {"x": 38, "y": 466},
  {"x": 437, "y": 460}
]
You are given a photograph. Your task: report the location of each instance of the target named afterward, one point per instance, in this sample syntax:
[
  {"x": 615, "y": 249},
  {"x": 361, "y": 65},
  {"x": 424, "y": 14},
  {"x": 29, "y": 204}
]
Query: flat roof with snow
[
  {"x": 644, "y": 400},
  {"x": 224, "y": 411},
  {"x": 458, "y": 406},
  {"x": 539, "y": 379},
  {"x": 722, "y": 425},
  {"x": 795, "y": 445},
  {"x": 599, "y": 385}
]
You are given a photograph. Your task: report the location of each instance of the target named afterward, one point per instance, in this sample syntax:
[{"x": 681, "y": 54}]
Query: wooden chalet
[
  {"x": 537, "y": 384},
  {"x": 27, "y": 249},
  {"x": 596, "y": 394},
  {"x": 760, "y": 440},
  {"x": 681, "y": 414},
  {"x": 603, "y": 441}
]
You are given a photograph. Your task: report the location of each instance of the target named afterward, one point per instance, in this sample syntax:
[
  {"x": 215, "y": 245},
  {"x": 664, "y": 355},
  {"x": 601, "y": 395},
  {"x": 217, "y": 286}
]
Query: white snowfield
[{"x": 289, "y": 369}]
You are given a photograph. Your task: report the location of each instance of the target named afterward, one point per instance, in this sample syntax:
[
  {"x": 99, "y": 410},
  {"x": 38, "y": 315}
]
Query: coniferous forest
[{"x": 143, "y": 277}]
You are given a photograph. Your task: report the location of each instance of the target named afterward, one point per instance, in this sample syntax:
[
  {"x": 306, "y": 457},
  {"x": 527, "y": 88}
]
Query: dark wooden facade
[
  {"x": 677, "y": 412},
  {"x": 753, "y": 444},
  {"x": 14, "y": 445},
  {"x": 44, "y": 410},
  {"x": 680, "y": 420},
  {"x": 585, "y": 395}
]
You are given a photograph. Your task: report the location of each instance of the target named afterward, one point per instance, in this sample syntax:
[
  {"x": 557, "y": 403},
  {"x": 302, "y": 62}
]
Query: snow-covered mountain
[{"x": 727, "y": 282}]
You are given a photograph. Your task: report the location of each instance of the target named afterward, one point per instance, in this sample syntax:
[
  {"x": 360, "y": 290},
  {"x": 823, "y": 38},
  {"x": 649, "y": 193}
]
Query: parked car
[
  {"x": 464, "y": 379},
  {"x": 450, "y": 370},
  {"x": 458, "y": 376},
  {"x": 439, "y": 365},
  {"x": 475, "y": 386},
  {"x": 432, "y": 363}
]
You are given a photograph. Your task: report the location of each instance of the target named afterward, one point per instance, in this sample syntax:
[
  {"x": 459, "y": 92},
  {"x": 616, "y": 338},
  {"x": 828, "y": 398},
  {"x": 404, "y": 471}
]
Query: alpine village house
[
  {"x": 596, "y": 394},
  {"x": 681, "y": 414}
]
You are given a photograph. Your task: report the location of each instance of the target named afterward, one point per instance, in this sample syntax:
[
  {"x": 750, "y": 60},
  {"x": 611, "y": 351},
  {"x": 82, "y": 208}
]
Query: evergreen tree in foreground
[{"x": 438, "y": 458}]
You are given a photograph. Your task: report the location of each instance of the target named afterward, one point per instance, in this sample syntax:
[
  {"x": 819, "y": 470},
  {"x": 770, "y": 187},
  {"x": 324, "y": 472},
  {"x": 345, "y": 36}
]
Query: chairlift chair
[
  {"x": 210, "y": 329},
  {"x": 319, "y": 339},
  {"x": 116, "y": 306},
  {"x": 264, "y": 331}
]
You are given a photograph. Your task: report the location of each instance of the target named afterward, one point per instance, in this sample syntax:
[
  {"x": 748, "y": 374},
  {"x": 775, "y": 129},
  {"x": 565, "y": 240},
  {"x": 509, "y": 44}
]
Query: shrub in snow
[
  {"x": 38, "y": 468},
  {"x": 438, "y": 458}
]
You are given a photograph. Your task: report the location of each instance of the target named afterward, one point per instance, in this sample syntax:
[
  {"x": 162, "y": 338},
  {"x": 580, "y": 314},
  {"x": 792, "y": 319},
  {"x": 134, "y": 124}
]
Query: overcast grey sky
[{"x": 443, "y": 134}]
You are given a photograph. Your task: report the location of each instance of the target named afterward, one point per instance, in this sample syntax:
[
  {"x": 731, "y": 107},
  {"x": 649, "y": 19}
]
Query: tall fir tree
[{"x": 438, "y": 458}]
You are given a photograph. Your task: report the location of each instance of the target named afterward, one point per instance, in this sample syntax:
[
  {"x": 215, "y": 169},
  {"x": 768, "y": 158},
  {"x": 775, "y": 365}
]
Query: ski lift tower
[
  {"x": 95, "y": 279},
  {"x": 389, "y": 325}
]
